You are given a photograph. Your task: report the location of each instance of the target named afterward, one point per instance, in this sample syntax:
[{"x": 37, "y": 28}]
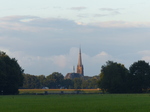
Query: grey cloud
[
  {"x": 108, "y": 9},
  {"x": 108, "y": 14},
  {"x": 100, "y": 15},
  {"x": 53, "y": 37},
  {"x": 78, "y": 8},
  {"x": 115, "y": 13},
  {"x": 35, "y": 24},
  {"x": 17, "y": 18},
  {"x": 52, "y": 22},
  {"x": 83, "y": 15}
]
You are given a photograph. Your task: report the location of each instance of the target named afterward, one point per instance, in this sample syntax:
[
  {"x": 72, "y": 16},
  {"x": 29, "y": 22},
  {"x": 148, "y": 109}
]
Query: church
[{"x": 80, "y": 70}]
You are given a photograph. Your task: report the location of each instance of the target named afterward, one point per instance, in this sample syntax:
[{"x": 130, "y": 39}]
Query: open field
[{"x": 76, "y": 103}]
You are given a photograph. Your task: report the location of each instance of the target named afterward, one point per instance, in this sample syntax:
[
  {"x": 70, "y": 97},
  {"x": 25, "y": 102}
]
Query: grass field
[{"x": 76, "y": 103}]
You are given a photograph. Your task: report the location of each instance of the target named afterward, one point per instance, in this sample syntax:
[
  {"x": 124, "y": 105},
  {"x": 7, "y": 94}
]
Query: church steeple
[
  {"x": 80, "y": 66},
  {"x": 80, "y": 58}
]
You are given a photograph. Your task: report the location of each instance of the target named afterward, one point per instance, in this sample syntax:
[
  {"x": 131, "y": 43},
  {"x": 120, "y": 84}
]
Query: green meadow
[{"x": 76, "y": 103}]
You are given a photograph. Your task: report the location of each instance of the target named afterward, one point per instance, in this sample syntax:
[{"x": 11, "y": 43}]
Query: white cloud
[
  {"x": 146, "y": 58},
  {"x": 25, "y": 23},
  {"x": 102, "y": 57},
  {"x": 121, "y": 24},
  {"x": 60, "y": 60},
  {"x": 145, "y": 52},
  {"x": 41, "y": 44},
  {"x": 37, "y": 65},
  {"x": 145, "y": 55}
]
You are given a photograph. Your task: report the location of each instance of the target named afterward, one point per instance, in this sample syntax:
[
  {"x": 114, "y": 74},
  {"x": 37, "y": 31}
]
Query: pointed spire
[
  {"x": 80, "y": 66},
  {"x": 80, "y": 58}
]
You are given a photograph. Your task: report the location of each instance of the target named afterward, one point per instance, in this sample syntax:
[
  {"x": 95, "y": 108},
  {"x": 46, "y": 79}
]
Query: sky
[{"x": 45, "y": 35}]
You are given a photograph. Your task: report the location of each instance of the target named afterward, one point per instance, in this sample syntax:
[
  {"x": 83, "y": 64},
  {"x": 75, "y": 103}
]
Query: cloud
[
  {"x": 145, "y": 55},
  {"x": 60, "y": 60},
  {"x": 83, "y": 15},
  {"x": 17, "y": 18},
  {"x": 108, "y": 12},
  {"x": 34, "y": 24},
  {"x": 108, "y": 9},
  {"x": 102, "y": 57},
  {"x": 146, "y": 58},
  {"x": 78, "y": 8},
  {"x": 19, "y": 23},
  {"x": 100, "y": 15},
  {"x": 145, "y": 52},
  {"x": 121, "y": 24},
  {"x": 61, "y": 63},
  {"x": 45, "y": 45}
]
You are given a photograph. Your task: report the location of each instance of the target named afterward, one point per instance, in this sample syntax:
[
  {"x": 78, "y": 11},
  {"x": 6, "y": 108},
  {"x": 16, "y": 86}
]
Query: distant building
[
  {"x": 80, "y": 70},
  {"x": 73, "y": 75}
]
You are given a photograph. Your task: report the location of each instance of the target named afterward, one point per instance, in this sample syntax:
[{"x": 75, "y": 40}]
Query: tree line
[
  {"x": 115, "y": 78},
  {"x": 56, "y": 81}
]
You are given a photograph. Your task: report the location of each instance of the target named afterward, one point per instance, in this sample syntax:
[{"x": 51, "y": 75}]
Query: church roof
[{"x": 73, "y": 75}]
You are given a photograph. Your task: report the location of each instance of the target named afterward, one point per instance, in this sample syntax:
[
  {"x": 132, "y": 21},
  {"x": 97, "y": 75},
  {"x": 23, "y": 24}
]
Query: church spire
[
  {"x": 80, "y": 66},
  {"x": 80, "y": 58}
]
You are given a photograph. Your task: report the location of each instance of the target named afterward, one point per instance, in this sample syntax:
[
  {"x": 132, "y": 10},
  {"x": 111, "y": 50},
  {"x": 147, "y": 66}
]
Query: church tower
[{"x": 80, "y": 66}]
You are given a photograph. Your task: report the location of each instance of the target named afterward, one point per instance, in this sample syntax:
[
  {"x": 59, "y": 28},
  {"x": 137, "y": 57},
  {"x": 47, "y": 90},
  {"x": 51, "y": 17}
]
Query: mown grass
[{"x": 76, "y": 103}]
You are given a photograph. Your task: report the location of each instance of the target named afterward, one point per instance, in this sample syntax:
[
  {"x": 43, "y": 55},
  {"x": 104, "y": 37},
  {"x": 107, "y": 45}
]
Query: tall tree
[
  {"x": 55, "y": 80},
  {"x": 113, "y": 77},
  {"x": 31, "y": 82},
  {"x": 11, "y": 74},
  {"x": 139, "y": 77}
]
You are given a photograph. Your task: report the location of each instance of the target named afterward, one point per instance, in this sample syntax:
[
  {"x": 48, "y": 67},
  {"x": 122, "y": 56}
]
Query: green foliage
[
  {"x": 31, "y": 82},
  {"x": 11, "y": 77},
  {"x": 77, "y": 83},
  {"x": 55, "y": 80},
  {"x": 42, "y": 80},
  {"x": 113, "y": 77},
  {"x": 139, "y": 77},
  {"x": 90, "y": 83},
  {"x": 68, "y": 83}
]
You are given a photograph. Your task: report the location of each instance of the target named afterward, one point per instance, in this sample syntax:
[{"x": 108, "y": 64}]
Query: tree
[
  {"x": 91, "y": 83},
  {"x": 113, "y": 77},
  {"x": 68, "y": 83},
  {"x": 85, "y": 84},
  {"x": 31, "y": 82},
  {"x": 139, "y": 76},
  {"x": 55, "y": 80},
  {"x": 77, "y": 83},
  {"x": 42, "y": 80},
  {"x": 11, "y": 77}
]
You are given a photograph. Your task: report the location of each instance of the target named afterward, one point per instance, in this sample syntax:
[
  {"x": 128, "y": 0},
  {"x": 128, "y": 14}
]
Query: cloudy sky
[{"x": 45, "y": 35}]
